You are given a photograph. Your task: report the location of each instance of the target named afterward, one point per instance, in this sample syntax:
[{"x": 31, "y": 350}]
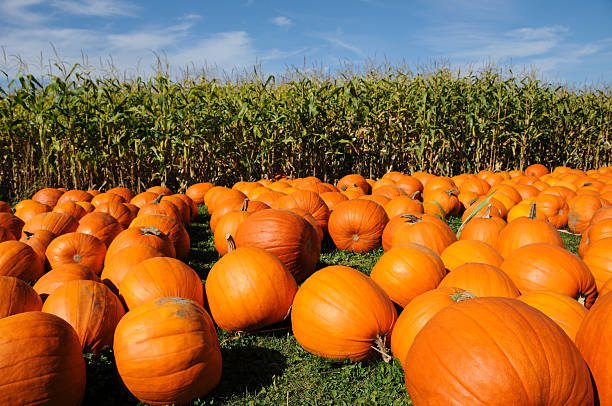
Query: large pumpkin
[
  {"x": 77, "y": 248},
  {"x": 56, "y": 223},
  {"x": 548, "y": 267},
  {"x": 159, "y": 277},
  {"x": 599, "y": 260},
  {"x": 123, "y": 261},
  {"x": 248, "y": 289},
  {"x": 495, "y": 351},
  {"x": 119, "y": 211},
  {"x": 581, "y": 210},
  {"x": 150, "y": 236},
  {"x": 417, "y": 313},
  {"x": 48, "y": 196},
  {"x": 20, "y": 260},
  {"x": 417, "y": 230},
  {"x": 41, "y": 361},
  {"x": 286, "y": 235},
  {"x": 60, "y": 275},
  {"x": 357, "y": 225},
  {"x": 196, "y": 192},
  {"x": 91, "y": 309},
  {"x": 307, "y": 201},
  {"x": 17, "y": 297},
  {"x": 562, "y": 309},
  {"x": 485, "y": 228},
  {"x": 462, "y": 252},
  {"x": 341, "y": 313},
  {"x": 101, "y": 225},
  {"x": 481, "y": 279},
  {"x": 167, "y": 351},
  {"x": 174, "y": 229},
  {"x": 408, "y": 270},
  {"x": 593, "y": 341}
]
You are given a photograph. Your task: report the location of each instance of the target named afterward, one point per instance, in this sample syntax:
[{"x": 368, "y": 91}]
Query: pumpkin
[
  {"x": 593, "y": 341},
  {"x": 167, "y": 351},
  {"x": 485, "y": 228},
  {"x": 601, "y": 214},
  {"x": 87, "y": 206},
  {"x": 308, "y": 217},
  {"x": 269, "y": 197},
  {"x": 107, "y": 198},
  {"x": 211, "y": 194},
  {"x": 286, "y": 235},
  {"x": 581, "y": 210},
  {"x": 388, "y": 191},
  {"x": 193, "y": 208},
  {"x": 150, "y": 236},
  {"x": 307, "y": 201},
  {"x": 409, "y": 184},
  {"x": 6, "y": 235},
  {"x": 406, "y": 271},
  {"x": 527, "y": 191},
  {"x": 403, "y": 205},
  {"x": 47, "y": 196},
  {"x": 196, "y": 192},
  {"x": 118, "y": 211},
  {"x": 39, "y": 241},
  {"x": 77, "y": 248},
  {"x": 596, "y": 232},
  {"x": 417, "y": 313},
  {"x": 144, "y": 198},
  {"x": 492, "y": 340},
  {"x": 19, "y": 260},
  {"x": 56, "y": 223},
  {"x": 17, "y": 297},
  {"x": 228, "y": 224},
  {"x": 41, "y": 361},
  {"x": 354, "y": 180},
  {"x": 536, "y": 170},
  {"x": 433, "y": 235},
  {"x": 60, "y": 275},
  {"x": 183, "y": 209},
  {"x": 481, "y": 279},
  {"x": 544, "y": 266},
  {"x": 524, "y": 209},
  {"x": 332, "y": 199},
  {"x": 249, "y": 289},
  {"x": 562, "y": 309},
  {"x": 121, "y": 262},
  {"x": 319, "y": 188},
  {"x": 357, "y": 225},
  {"x": 475, "y": 185},
  {"x": 161, "y": 207},
  {"x": 381, "y": 200},
  {"x": 29, "y": 209},
  {"x": 441, "y": 202},
  {"x": 75, "y": 196},
  {"x": 172, "y": 228},
  {"x": 497, "y": 208},
  {"x": 524, "y": 231},
  {"x": 90, "y": 308},
  {"x": 554, "y": 208},
  {"x": 218, "y": 199},
  {"x": 160, "y": 190},
  {"x": 101, "y": 225},
  {"x": 13, "y": 223},
  {"x": 123, "y": 192},
  {"x": 158, "y": 277},
  {"x": 71, "y": 208},
  {"x": 341, "y": 313},
  {"x": 598, "y": 258},
  {"x": 464, "y": 251},
  {"x": 233, "y": 205}
]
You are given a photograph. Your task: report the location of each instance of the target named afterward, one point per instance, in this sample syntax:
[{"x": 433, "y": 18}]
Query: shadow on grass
[{"x": 248, "y": 369}]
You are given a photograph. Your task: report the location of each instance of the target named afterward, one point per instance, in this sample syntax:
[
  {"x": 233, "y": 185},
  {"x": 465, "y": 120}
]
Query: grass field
[{"x": 270, "y": 368}]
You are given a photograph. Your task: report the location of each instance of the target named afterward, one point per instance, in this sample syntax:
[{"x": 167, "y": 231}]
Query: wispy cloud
[
  {"x": 282, "y": 21},
  {"x": 95, "y": 8},
  {"x": 342, "y": 44},
  {"x": 18, "y": 11}
]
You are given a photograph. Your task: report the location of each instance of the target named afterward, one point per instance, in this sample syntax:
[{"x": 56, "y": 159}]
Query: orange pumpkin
[
  {"x": 286, "y": 235},
  {"x": 417, "y": 313},
  {"x": 197, "y": 191},
  {"x": 159, "y": 277},
  {"x": 493, "y": 340},
  {"x": 167, "y": 351},
  {"x": 150, "y": 236},
  {"x": 485, "y": 228},
  {"x": 56, "y": 223},
  {"x": 48, "y": 196},
  {"x": 544, "y": 266},
  {"x": 581, "y": 210},
  {"x": 144, "y": 198},
  {"x": 464, "y": 251},
  {"x": 598, "y": 259},
  {"x": 101, "y": 225},
  {"x": 354, "y": 180},
  {"x": 77, "y": 248},
  {"x": 13, "y": 223},
  {"x": 432, "y": 235},
  {"x": 121, "y": 262},
  {"x": 90, "y": 308},
  {"x": 30, "y": 208},
  {"x": 71, "y": 208},
  {"x": 536, "y": 170},
  {"x": 249, "y": 289},
  {"x": 562, "y": 309},
  {"x": 75, "y": 196},
  {"x": 366, "y": 318},
  {"x": 18, "y": 297},
  {"x": 19, "y": 260},
  {"x": 124, "y": 192},
  {"x": 60, "y": 275},
  {"x": 357, "y": 225},
  {"x": 481, "y": 279},
  {"x": 406, "y": 271},
  {"x": 403, "y": 205},
  {"x": 172, "y": 228},
  {"x": 118, "y": 211},
  {"x": 107, "y": 197},
  {"x": 41, "y": 361},
  {"x": 307, "y": 201}
]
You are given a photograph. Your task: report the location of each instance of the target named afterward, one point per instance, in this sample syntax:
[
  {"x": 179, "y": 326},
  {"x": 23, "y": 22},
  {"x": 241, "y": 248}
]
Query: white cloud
[
  {"x": 282, "y": 21},
  {"x": 342, "y": 44},
  {"x": 17, "y": 11},
  {"x": 95, "y": 8}
]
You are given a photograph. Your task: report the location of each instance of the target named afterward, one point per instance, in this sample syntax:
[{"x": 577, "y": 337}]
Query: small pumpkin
[
  {"x": 77, "y": 248},
  {"x": 357, "y": 225}
]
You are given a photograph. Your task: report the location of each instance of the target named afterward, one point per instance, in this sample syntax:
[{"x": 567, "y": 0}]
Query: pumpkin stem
[
  {"x": 451, "y": 192},
  {"x": 532, "y": 211},
  {"x": 414, "y": 195},
  {"x": 28, "y": 235},
  {"x": 487, "y": 213},
  {"x": 461, "y": 296},
  {"x": 245, "y": 204},
  {"x": 380, "y": 346},
  {"x": 150, "y": 230},
  {"x": 231, "y": 244},
  {"x": 410, "y": 218},
  {"x": 581, "y": 299},
  {"x": 77, "y": 258},
  {"x": 158, "y": 199}
]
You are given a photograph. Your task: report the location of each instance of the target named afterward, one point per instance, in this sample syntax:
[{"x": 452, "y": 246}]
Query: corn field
[{"x": 80, "y": 130}]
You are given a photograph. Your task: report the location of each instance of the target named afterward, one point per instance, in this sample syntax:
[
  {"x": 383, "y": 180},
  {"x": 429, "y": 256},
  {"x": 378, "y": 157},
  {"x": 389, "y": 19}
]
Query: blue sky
[{"x": 566, "y": 41}]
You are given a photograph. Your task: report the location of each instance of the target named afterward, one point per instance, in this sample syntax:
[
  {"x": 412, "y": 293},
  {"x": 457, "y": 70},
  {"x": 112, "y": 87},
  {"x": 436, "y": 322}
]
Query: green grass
[{"x": 270, "y": 367}]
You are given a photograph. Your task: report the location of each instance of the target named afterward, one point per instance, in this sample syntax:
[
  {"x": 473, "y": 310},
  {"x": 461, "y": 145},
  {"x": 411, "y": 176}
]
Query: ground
[{"x": 270, "y": 368}]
